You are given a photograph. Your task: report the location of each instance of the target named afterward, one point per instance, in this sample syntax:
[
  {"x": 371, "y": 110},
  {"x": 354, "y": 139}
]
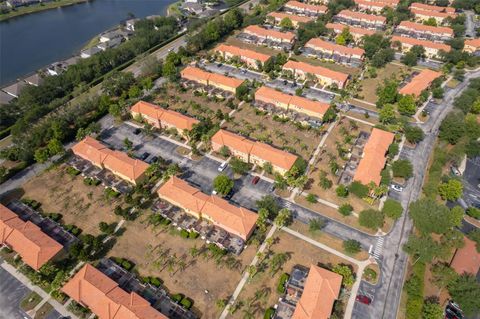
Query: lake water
[{"x": 30, "y": 42}]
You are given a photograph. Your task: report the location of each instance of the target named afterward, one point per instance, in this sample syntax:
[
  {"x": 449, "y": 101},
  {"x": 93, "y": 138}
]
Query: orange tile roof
[
  {"x": 374, "y": 157},
  {"x": 92, "y": 288},
  {"x": 423, "y": 43},
  {"x": 432, "y": 13},
  {"x": 367, "y": 3},
  {"x": 269, "y": 33},
  {"x": 116, "y": 161},
  {"x": 276, "y": 157},
  {"x": 236, "y": 51},
  {"x": 467, "y": 258},
  {"x": 317, "y": 70},
  {"x": 237, "y": 220},
  {"x": 322, "y": 288},
  {"x": 361, "y": 16},
  {"x": 338, "y": 27},
  {"x": 34, "y": 246},
  {"x": 425, "y": 28},
  {"x": 420, "y": 82},
  {"x": 233, "y": 141},
  {"x": 473, "y": 42},
  {"x": 293, "y": 17},
  {"x": 220, "y": 79},
  {"x": 263, "y": 151},
  {"x": 392, "y": 2},
  {"x": 334, "y": 48},
  {"x": 196, "y": 74},
  {"x": 306, "y": 6},
  {"x": 427, "y": 7},
  {"x": 172, "y": 118},
  {"x": 269, "y": 95}
]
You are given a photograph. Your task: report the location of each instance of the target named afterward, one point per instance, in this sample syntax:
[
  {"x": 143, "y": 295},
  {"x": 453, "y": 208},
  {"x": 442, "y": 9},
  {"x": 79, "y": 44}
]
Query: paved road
[
  {"x": 12, "y": 292},
  {"x": 470, "y": 24},
  {"x": 386, "y": 293}
]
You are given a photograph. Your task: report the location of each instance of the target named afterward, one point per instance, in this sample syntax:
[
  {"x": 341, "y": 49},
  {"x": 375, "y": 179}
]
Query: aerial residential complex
[{"x": 294, "y": 159}]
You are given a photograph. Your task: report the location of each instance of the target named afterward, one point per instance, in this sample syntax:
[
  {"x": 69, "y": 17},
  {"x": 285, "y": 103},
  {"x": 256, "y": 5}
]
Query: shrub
[
  {"x": 345, "y": 209},
  {"x": 72, "y": 171},
  {"x": 193, "y": 234},
  {"x": 311, "y": 198},
  {"x": 473, "y": 212},
  {"x": 184, "y": 233},
  {"x": 371, "y": 218},
  {"x": 177, "y": 297},
  {"x": 281, "y": 283},
  {"x": 351, "y": 246},
  {"x": 155, "y": 281},
  {"x": 126, "y": 265},
  {"x": 402, "y": 168},
  {"x": 392, "y": 208},
  {"x": 358, "y": 189},
  {"x": 316, "y": 224},
  {"x": 186, "y": 303},
  {"x": 342, "y": 191},
  {"x": 269, "y": 313},
  {"x": 370, "y": 274}
]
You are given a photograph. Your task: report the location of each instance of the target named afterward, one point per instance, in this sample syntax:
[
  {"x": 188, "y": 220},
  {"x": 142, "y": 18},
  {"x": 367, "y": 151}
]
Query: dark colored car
[
  {"x": 363, "y": 299},
  {"x": 153, "y": 160},
  {"x": 144, "y": 156},
  {"x": 229, "y": 195},
  {"x": 137, "y": 131},
  {"x": 255, "y": 180}
]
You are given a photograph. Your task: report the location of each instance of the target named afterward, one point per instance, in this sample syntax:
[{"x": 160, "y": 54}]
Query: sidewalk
[{"x": 24, "y": 280}]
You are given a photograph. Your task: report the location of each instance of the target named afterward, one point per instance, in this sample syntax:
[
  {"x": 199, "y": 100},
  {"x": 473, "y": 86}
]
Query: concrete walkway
[
  {"x": 245, "y": 276},
  {"x": 359, "y": 120},
  {"x": 24, "y": 280}
]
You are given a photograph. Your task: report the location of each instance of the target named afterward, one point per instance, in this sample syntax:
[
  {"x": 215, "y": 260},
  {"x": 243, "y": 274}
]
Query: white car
[
  {"x": 396, "y": 187},
  {"x": 214, "y": 192},
  {"x": 222, "y": 166}
]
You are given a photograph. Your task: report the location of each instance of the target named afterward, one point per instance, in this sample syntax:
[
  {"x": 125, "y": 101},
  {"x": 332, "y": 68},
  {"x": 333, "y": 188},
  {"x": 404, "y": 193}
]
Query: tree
[
  {"x": 451, "y": 190},
  {"x": 402, "y": 168},
  {"x": 55, "y": 147},
  {"x": 432, "y": 310},
  {"x": 452, "y": 127},
  {"x": 277, "y": 261},
  {"x": 423, "y": 248},
  {"x": 238, "y": 166},
  {"x": 286, "y": 24},
  {"x": 438, "y": 92},
  {"x": 465, "y": 290},
  {"x": 414, "y": 134},
  {"x": 341, "y": 191},
  {"x": 330, "y": 115},
  {"x": 316, "y": 224},
  {"x": 473, "y": 212},
  {"x": 346, "y": 209},
  {"x": 41, "y": 155},
  {"x": 311, "y": 198},
  {"x": 409, "y": 59},
  {"x": 351, "y": 246},
  {"x": 406, "y": 105},
  {"x": 127, "y": 143},
  {"x": 242, "y": 92},
  {"x": 387, "y": 93},
  {"x": 371, "y": 218},
  {"x": 346, "y": 273},
  {"x": 270, "y": 204},
  {"x": 431, "y": 217},
  {"x": 223, "y": 184},
  {"x": 324, "y": 182},
  {"x": 283, "y": 218},
  {"x": 262, "y": 219},
  {"x": 387, "y": 114},
  {"x": 442, "y": 275},
  {"x": 392, "y": 208},
  {"x": 358, "y": 189}
]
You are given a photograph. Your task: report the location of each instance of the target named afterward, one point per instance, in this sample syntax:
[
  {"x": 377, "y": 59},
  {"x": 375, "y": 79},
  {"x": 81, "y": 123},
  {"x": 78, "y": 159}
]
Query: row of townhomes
[
  {"x": 267, "y": 36},
  {"x": 194, "y": 76}
]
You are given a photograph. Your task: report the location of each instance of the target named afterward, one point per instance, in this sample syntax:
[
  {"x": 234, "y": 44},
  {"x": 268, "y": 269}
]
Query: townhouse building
[
  {"x": 372, "y": 6},
  {"x": 270, "y": 37},
  {"x": 424, "y": 15},
  {"x": 324, "y": 76},
  {"x": 276, "y": 17},
  {"x": 359, "y": 19},
  {"x": 472, "y": 46},
  {"x": 424, "y": 32},
  {"x": 287, "y": 102},
  {"x": 119, "y": 163},
  {"x": 357, "y": 33},
  {"x": 322, "y": 49},
  {"x": 419, "y": 83},
  {"x": 162, "y": 118},
  {"x": 238, "y": 221},
  {"x": 209, "y": 79},
  {"x": 301, "y": 8},
  {"x": 432, "y": 49},
  {"x": 253, "y": 151},
  {"x": 251, "y": 58}
]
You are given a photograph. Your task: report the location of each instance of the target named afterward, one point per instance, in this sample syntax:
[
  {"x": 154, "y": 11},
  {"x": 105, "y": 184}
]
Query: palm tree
[{"x": 194, "y": 251}]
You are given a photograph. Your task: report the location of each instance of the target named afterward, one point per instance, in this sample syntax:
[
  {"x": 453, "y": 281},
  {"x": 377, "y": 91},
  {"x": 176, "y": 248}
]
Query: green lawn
[{"x": 30, "y": 301}]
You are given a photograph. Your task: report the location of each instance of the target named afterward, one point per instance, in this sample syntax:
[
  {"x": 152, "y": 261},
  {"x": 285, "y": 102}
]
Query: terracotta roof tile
[
  {"x": 374, "y": 157},
  {"x": 409, "y": 25},
  {"x": 273, "y": 155},
  {"x": 338, "y": 27},
  {"x": 106, "y": 299},
  {"x": 361, "y": 16},
  {"x": 148, "y": 109},
  {"x": 316, "y": 70},
  {"x": 467, "y": 258},
  {"x": 473, "y": 42},
  {"x": 269, "y": 33},
  {"x": 322, "y": 288},
  {"x": 292, "y": 17},
  {"x": 423, "y": 43},
  {"x": 429, "y": 13},
  {"x": 194, "y": 74},
  {"x": 232, "y": 140},
  {"x": 306, "y": 6},
  {"x": 34, "y": 246},
  {"x": 420, "y": 82},
  {"x": 427, "y": 7},
  {"x": 236, "y": 220},
  {"x": 378, "y": 4},
  {"x": 317, "y": 43},
  {"x": 236, "y": 51}
]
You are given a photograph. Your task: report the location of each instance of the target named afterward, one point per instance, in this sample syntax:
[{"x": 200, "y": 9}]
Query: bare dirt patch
[
  {"x": 143, "y": 245},
  {"x": 81, "y": 205}
]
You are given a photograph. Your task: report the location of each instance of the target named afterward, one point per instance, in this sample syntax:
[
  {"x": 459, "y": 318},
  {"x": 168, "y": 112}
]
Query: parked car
[
  {"x": 229, "y": 195},
  {"x": 153, "y": 160},
  {"x": 214, "y": 192},
  {"x": 222, "y": 166},
  {"x": 455, "y": 171},
  {"x": 364, "y": 299},
  {"x": 396, "y": 188},
  {"x": 144, "y": 156},
  {"x": 255, "y": 180},
  {"x": 137, "y": 131}
]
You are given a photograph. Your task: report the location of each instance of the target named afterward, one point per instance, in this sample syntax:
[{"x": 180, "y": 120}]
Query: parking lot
[
  {"x": 312, "y": 93},
  {"x": 471, "y": 179},
  {"x": 239, "y": 73}
]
